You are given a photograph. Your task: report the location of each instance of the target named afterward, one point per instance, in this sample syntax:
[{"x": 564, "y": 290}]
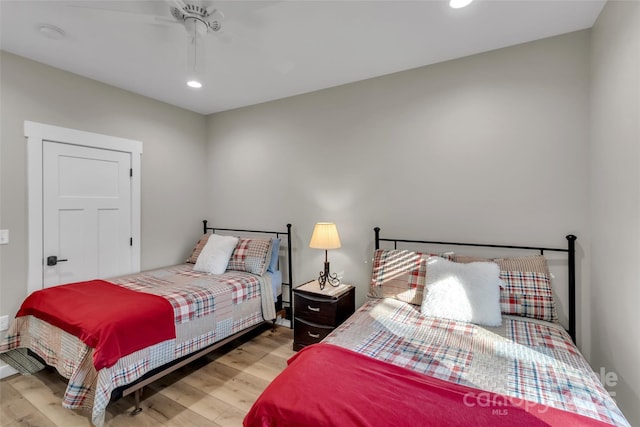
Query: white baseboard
[{"x": 6, "y": 370}]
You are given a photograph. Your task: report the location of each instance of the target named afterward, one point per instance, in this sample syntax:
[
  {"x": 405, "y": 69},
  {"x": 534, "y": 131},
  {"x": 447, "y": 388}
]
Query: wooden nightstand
[{"x": 318, "y": 312}]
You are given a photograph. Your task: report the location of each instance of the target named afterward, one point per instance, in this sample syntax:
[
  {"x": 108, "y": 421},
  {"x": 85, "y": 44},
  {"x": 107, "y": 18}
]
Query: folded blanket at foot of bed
[{"x": 111, "y": 319}]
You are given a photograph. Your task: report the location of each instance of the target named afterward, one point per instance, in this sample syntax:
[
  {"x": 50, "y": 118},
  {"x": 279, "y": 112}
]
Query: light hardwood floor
[{"x": 215, "y": 390}]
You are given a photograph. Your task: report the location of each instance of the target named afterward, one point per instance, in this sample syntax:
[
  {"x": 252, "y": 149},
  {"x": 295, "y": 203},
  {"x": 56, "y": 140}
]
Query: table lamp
[{"x": 325, "y": 236}]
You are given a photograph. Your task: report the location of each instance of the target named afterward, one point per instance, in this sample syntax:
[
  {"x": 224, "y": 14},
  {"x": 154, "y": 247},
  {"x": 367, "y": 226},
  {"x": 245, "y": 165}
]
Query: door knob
[{"x": 53, "y": 260}]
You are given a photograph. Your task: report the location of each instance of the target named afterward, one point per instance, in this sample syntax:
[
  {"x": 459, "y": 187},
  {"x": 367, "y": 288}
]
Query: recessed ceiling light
[
  {"x": 194, "y": 84},
  {"x": 51, "y": 31},
  {"x": 457, "y": 4}
]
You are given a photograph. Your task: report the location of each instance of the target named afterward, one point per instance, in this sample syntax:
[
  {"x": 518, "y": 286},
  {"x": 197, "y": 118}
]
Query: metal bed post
[
  {"x": 290, "y": 275},
  {"x": 571, "y": 240}
]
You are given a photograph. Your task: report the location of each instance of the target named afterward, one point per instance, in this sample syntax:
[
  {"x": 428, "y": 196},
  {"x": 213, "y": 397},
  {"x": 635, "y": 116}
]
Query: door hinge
[
  {"x": 130, "y": 172},
  {"x": 130, "y": 241}
]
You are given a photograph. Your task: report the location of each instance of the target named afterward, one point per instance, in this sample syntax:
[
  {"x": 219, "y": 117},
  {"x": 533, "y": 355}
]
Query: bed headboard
[
  {"x": 571, "y": 264},
  {"x": 276, "y": 234}
]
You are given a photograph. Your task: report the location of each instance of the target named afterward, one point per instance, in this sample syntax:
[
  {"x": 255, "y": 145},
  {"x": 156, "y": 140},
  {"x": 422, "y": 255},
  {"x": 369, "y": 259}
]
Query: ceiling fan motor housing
[{"x": 192, "y": 12}]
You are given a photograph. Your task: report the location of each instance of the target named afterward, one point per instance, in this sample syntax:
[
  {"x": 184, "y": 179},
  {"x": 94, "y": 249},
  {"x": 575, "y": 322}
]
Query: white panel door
[{"x": 86, "y": 213}]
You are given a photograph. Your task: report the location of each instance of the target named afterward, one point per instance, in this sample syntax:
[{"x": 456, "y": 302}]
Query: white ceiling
[{"x": 273, "y": 49}]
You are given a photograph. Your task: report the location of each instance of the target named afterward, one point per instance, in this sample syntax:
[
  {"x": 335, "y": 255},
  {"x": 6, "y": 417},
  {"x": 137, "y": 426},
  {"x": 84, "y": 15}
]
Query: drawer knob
[
  {"x": 316, "y": 309},
  {"x": 313, "y": 335}
]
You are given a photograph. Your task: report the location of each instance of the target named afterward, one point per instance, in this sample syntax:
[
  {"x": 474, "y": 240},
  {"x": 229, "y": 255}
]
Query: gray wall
[
  {"x": 488, "y": 148},
  {"x": 173, "y": 160},
  {"x": 615, "y": 201}
]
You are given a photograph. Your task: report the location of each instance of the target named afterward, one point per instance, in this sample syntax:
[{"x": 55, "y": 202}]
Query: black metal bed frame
[{"x": 570, "y": 250}]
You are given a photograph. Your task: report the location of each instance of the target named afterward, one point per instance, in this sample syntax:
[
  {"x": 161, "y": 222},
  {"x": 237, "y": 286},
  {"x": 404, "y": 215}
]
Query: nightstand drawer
[
  {"x": 316, "y": 310},
  {"x": 305, "y": 333}
]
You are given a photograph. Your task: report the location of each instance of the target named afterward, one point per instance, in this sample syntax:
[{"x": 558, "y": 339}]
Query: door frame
[{"x": 35, "y": 134}]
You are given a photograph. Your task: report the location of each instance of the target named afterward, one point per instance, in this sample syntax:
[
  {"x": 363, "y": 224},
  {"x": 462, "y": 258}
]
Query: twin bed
[
  {"x": 110, "y": 339},
  {"x": 443, "y": 339},
  {"x": 446, "y": 339}
]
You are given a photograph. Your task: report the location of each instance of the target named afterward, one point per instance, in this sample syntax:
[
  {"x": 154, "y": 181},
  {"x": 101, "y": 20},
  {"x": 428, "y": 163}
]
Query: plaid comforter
[
  {"x": 194, "y": 294},
  {"x": 523, "y": 358},
  {"x": 207, "y": 309}
]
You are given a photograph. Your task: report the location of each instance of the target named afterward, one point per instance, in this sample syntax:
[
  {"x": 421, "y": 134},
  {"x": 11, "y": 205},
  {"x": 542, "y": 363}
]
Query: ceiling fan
[
  {"x": 199, "y": 18},
  {"x": 198, "y": 21},
  {"x": 203, "y": 14}
]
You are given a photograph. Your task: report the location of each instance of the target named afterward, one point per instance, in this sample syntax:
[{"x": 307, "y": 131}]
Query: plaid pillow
[
  {"x": 400, "y": 274},
  {"x": 535, "y": 263},
  {"x": 251, "y": 255},
  {"x": 527, "y": 288},
  {"x": 200, "y": 244},
  {"x": 527, "y": 294}
]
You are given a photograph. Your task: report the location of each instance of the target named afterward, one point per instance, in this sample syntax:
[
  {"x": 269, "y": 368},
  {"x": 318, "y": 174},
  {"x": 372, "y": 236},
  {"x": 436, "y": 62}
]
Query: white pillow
[
  {"x": 465, "y": 292},
  {"x": 216, "y": 254}
]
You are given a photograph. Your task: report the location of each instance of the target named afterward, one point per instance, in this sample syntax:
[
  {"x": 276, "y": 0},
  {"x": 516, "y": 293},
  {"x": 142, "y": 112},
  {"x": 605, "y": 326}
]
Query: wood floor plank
[
  {"x": 227, "y": 384},
  {"x": 119, "y": 414},
  {"x": 18, "y": 411},
  {"x": 196, "y": 401},
  {"x": 169, "y": 412},
  {"x": 49, "y": 402},
  {"x": 231, "y": 418},
  {"x": 214, "y": 391}
]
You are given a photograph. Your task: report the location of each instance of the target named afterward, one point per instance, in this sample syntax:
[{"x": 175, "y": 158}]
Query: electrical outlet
[
  {"x": 4, "y": 323},
  {"x": 4, "y": 237}
]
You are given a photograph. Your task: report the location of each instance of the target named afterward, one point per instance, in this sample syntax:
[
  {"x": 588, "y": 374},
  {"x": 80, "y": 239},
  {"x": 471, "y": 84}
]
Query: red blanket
[
  {"x": 327, "y": 385},
  {"x": 113, "y": 320}
]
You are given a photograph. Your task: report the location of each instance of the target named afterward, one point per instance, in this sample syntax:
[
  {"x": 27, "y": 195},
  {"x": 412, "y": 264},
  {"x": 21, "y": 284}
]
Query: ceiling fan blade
[
  {"x": 179, "y": 4},
  {"x": 212, "y": 10},
  {"x": 139, "y": 14},
  {"x": 246, "y": 16},
  {"x": 224, "y": 36}
]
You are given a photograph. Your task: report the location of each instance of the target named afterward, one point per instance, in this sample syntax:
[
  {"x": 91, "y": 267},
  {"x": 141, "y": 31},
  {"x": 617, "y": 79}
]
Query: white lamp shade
[{"x": 325, "y": 236}]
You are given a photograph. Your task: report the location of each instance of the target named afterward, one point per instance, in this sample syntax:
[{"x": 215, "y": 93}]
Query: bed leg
[
  {"x": 137, "y": 394},
  {"x": 282, "y": 313}
]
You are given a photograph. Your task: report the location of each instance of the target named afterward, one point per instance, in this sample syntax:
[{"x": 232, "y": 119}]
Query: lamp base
[{"x": 326, "y": 277}]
